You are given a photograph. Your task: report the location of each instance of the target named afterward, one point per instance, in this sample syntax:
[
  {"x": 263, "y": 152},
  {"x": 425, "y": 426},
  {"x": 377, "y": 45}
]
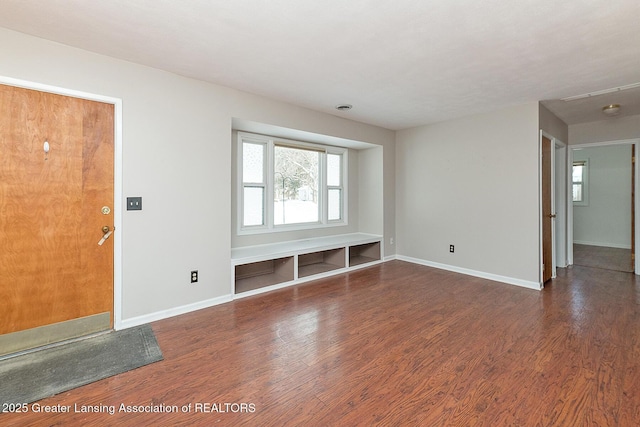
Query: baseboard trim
[
  {"x": 474, "y": 273},
  {"x": 603, "y": 245},
  {"x": 176, "y": 311}
]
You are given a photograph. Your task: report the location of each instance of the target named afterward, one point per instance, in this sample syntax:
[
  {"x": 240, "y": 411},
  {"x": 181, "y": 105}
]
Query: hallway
[{"x": 602, "y": 257}]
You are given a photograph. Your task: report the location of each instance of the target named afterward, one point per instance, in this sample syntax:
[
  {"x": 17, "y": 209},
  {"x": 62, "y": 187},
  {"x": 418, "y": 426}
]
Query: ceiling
[
  {"x": 401, "y": 63},
  {"x": 589, "y": 108}
]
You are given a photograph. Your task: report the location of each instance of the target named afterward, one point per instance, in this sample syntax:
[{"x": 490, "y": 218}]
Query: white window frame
[
  {"x": 584, "y": 183},
  {"x": 269, "y": 143},
  {"x": 341, "y": 186},
  {"x": 242, "y": 185}
]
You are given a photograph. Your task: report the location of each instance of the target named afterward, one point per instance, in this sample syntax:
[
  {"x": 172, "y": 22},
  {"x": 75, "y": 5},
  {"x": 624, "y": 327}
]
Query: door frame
[
  {"x": 117, "y": 176},
  {"x": 560, "y": 188},
  {"x": 559, "y": 241},
  {"x": 633, "y": 142}
]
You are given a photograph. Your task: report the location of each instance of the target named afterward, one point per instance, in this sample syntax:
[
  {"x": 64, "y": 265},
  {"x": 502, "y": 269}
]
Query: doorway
[
  {"x": 553, "y": 214},
  {"x": 602, "y": 219},
  {"x": 57, "y": 178}
]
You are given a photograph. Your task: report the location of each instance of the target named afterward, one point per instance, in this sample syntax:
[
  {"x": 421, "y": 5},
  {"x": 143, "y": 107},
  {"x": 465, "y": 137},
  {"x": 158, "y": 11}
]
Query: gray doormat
[{"x": 43, "y": 373}]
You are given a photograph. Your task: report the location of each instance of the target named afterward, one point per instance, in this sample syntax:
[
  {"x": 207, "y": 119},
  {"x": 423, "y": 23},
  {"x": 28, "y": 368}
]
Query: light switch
[{"x": 134, "y": 203}]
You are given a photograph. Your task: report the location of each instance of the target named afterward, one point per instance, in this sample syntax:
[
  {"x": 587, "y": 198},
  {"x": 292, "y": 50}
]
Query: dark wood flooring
[
  {"x": 603, "y": 257},
  {"x": 395, "y": 344}
]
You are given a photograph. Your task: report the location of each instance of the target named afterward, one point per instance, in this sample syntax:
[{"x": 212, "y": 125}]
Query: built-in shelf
[
  {"x": 260, "y": 268},
  {"x": 365, "y": 253},
  {"x": 257, "y": 275},
  {"x": 320, "y": 262}
]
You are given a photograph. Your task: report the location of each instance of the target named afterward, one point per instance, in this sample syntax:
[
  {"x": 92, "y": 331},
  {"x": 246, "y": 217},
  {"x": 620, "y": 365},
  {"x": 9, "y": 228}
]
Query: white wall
[
  {"x": 370, "y": 181},
  {"x": 177, "y": 156},
  {"x": 606, "y": 220},
  {"x": 611, "y": 129},
  {"x": 474, "y": 183},
  {"x": 552, "y": 125}
]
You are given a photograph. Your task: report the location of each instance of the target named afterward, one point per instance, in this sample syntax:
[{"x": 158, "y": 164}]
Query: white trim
[
  {"x": 295, "y": 248},
  {"x": 468, "y": 272},
  {"x": 264, "y": 184},
  {"x": 256, "y": 253},
  {"x": 117, "y": 184},
  {"x": 560, "y": 248},
  {"x": 269, "y": 226},
  {"x": 606, "y": 143},
  {"x": 584, "y": 183},
  {"x": 301, "y": 280},
  {"x": 600, "y": 92},
  {"x": 569, "y": 205},
  {"x": 540, "y": 234},
  {"x": 540, "y": 202},
  {"x": 118, "y": 207},
  {"x": 344, "y": 186},
  {"x": 176, "y": 311},
  {"x": 603, "y": 245},
  {"x": 552, "y": 150},
  {"x": 57, "y": 90}
]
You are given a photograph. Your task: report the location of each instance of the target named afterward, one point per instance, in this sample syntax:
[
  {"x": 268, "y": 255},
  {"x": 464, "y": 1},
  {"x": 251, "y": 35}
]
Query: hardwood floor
[
  {"x": 395, "y": 344},
  {"x": 603, "y": 257}
]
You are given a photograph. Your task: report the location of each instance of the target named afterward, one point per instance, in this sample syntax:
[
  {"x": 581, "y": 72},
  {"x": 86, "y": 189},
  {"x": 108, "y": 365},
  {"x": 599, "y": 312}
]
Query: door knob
[
  {"x": 107, "y": 233},
  {"x": 552, "y": 215}
]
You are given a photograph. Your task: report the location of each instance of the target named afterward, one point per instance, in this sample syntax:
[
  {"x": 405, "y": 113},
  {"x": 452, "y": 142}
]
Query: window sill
[{"x": 291, "y": 227}]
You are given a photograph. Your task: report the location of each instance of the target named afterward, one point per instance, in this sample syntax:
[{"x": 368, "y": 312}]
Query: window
[
  {"x": 254, "y": 183},
  {"x": 296, "y": 185},
  {"x": 334, "y": 186},
  {"x": 287, "y": 185},
  {"x": 579, "y": 179}
]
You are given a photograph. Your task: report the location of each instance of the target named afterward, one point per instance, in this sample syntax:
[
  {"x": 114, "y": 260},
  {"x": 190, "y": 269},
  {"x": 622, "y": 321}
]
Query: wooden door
[
  {"x": 51, "y": 209},
  {"x": 547, "y": 215}
]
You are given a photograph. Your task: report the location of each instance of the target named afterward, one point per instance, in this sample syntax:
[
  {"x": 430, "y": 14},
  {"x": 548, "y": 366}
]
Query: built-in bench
[{"x": 261, "y": 268}]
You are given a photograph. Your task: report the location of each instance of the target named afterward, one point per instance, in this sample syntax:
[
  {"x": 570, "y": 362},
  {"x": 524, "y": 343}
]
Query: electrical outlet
[
  {"x": 194, "y": 276},
  {"x": 452, "y": 248},
  {"x": 391, "y": 241}
]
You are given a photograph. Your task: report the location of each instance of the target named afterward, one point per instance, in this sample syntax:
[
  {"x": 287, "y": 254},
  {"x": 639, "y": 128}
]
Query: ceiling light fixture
[
  {"x": 601, "y": 92},
  {"x": 611, "y": 109},
  {"x": 344, "y": 107}
]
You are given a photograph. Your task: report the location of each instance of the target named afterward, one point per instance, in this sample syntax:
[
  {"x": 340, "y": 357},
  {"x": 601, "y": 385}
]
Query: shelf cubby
[
  {"x": 362, "y": 254},
  {"x": 263, "y": 273},
  {"x": 320, "y": 262}
]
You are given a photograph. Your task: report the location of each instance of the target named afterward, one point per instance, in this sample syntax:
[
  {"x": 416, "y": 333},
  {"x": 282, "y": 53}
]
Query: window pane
[
  {"x": 253, "y": 162},
  {"x": 578, "y": 173},
  {"x": 335, "y": 204},
  {"x": 296, "y": 186},
  {"x": 334, "y": 170},
  {"x": 253, "y": 206},
  {"x": 577, "y": 192}
]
